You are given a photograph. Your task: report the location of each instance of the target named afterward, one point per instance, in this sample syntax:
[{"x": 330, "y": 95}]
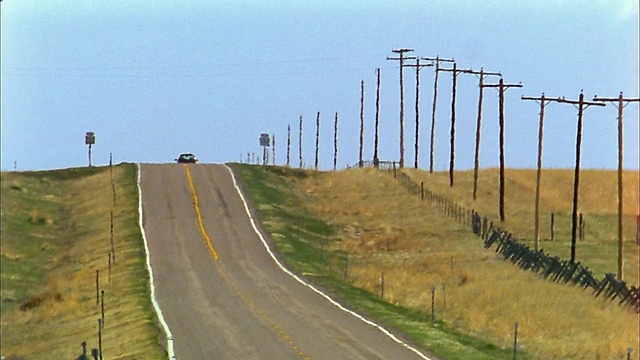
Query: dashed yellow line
[{"x": 235, "y": 288}]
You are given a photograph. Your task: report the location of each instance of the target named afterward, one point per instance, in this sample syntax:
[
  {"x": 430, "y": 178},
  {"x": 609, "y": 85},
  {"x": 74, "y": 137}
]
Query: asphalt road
[{"x": 229, "y": 299}]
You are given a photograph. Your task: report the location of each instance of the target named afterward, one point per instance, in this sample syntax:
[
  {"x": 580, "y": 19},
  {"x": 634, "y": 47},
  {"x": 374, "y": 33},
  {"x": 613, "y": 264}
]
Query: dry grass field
[
  {"x": 55, "y": 235},
  {"x": 384, "y": 228}
]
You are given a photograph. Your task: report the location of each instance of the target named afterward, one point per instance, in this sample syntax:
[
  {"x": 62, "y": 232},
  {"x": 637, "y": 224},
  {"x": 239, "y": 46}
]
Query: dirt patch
[{"x": 38, "y": 300}]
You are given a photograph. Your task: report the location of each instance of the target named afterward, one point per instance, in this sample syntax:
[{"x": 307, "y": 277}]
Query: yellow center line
[
  {"x": 197, "y": 206},
  {"x": 235, "y": 288}
]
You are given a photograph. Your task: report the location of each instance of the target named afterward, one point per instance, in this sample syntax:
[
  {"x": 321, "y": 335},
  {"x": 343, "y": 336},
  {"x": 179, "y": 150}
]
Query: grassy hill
[
  {"x": 343, "y": 230},
  {"x": 348, "y": 229},
  {"x": 56, "y": 230}
]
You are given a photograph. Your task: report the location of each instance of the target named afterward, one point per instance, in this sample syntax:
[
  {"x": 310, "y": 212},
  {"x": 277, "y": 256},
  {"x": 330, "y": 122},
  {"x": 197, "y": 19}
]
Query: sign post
[
  {"x": 90, "y": 139},
  {"x": 265, "y": 142}
]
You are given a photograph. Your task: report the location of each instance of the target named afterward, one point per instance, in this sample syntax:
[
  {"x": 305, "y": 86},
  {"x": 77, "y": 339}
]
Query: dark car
[{"x": 187, "y": 158}]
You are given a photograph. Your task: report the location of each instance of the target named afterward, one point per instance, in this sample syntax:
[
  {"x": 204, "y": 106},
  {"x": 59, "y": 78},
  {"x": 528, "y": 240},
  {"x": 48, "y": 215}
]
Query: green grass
[
  {"x": 55, "y": 235},
  {"x": 303, "y": 240}
]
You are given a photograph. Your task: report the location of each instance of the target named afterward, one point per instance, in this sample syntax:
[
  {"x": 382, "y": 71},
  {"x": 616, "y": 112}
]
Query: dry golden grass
[
  {"x": 64, "y": 311},
  {"x": 385, "y": 229}
]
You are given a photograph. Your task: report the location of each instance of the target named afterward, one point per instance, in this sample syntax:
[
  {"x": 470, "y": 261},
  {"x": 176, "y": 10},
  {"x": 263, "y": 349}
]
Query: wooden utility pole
[
  {"x": 418, "y": 67},
  {"x": 620, "y": 105},
  {"x": 437, "y": 61},
  {"x": 581, "y": 104},
  {"x": 273, "y": 148},
  {"x": 300, "y": 143},
  {"x": 376, "y": 159},
  {"x": 317, "y": 138},
  {"x": 454, "y": 72},
  {"x": 288, "y": 144},
  {"x": 501, "y": 88},
  {"x": 541, "y": 99},
  {"x": 476, "y": 163},
  {"x": 401, "y": 58},
  {"x": 335, "y": 143},
  {"x": 360, "y": 162}
]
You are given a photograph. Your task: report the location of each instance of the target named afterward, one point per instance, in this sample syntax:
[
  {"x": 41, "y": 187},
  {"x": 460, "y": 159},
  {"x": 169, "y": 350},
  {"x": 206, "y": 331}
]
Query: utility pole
[
  {"x": 317, "y": 138},
  {"x": 454, "y": 72},
  {"x": 401, "y": 58},
  {"x": 300, "y": 143},
  {"x": 581, "y": 104},
  {"x": 541, "y": 99},
  {"x": 288, "y": 144},
  {"x": 335, "y": 143},
  {"x": 437, "y": 61},
  {"x": 360, "y": 163},
  {"x": 376, "y": 160},
  {"x": 476, "y": 163},
  {"x": 621, "y": 103},
  {"x": 502, "y": 87},
  {"x": 273, "y": 147},
  {"x": 418, "y": 67}
]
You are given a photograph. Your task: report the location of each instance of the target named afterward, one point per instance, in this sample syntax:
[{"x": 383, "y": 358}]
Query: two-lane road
[{"x": 222, "y": 293}]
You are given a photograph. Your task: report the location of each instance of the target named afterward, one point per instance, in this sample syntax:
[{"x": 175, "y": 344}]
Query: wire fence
[{"x": 549, "y": 267}]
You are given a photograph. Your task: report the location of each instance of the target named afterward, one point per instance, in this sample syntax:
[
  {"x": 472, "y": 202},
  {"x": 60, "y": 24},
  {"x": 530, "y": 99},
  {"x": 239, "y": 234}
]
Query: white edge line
[
  {"x": 335, "y": 303},
  {"x": 156, "y": 306}
]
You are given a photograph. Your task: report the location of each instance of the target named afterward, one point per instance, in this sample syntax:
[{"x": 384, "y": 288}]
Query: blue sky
[{"x": 153, "y": 79}]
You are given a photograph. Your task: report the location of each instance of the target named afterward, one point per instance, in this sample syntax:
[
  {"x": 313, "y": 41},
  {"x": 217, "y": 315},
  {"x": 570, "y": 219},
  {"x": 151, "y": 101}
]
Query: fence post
[
  {"x": 553, "y": 226},
  {"x": 102, "y": 307},
  {"x": 113, "y": 250},
  {"x": 515, "y": 342},
  {"x": 433, "y": 298},
  {"x": 382, "y": 286},
  {"x": 100, "y": 338},
  {"x": 581, "y": 228},
  {"x": 97, "y": 286},
  {"x": 421, "y": 190}
]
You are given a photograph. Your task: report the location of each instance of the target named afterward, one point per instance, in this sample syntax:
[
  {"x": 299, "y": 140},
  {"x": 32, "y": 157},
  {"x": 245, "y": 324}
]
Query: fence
[{"x": 549, "y": 267}]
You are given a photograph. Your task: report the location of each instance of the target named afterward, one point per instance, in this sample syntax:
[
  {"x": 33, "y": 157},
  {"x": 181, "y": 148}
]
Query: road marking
[
  {"x": 297, "y": 278},
  {"x": 156, "y": 306},
  {"x": 236, "y": 289},
  {"x": 197, "y": 206}
]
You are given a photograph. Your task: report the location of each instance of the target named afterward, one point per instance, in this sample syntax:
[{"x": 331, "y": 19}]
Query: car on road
[{"x": 187, "y": 158}]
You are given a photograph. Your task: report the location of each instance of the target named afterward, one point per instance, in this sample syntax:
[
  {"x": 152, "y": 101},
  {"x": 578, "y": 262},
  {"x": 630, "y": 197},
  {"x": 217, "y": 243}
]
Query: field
[
  {"x": 346, "y": 231},
  {"x": 367, "y": 216},
  {"x": 55, "y": 235}
]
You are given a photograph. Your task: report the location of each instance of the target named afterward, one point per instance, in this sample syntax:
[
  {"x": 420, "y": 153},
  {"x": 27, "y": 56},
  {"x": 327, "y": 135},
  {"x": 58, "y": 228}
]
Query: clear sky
[{"x": 153, "y": 79}]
